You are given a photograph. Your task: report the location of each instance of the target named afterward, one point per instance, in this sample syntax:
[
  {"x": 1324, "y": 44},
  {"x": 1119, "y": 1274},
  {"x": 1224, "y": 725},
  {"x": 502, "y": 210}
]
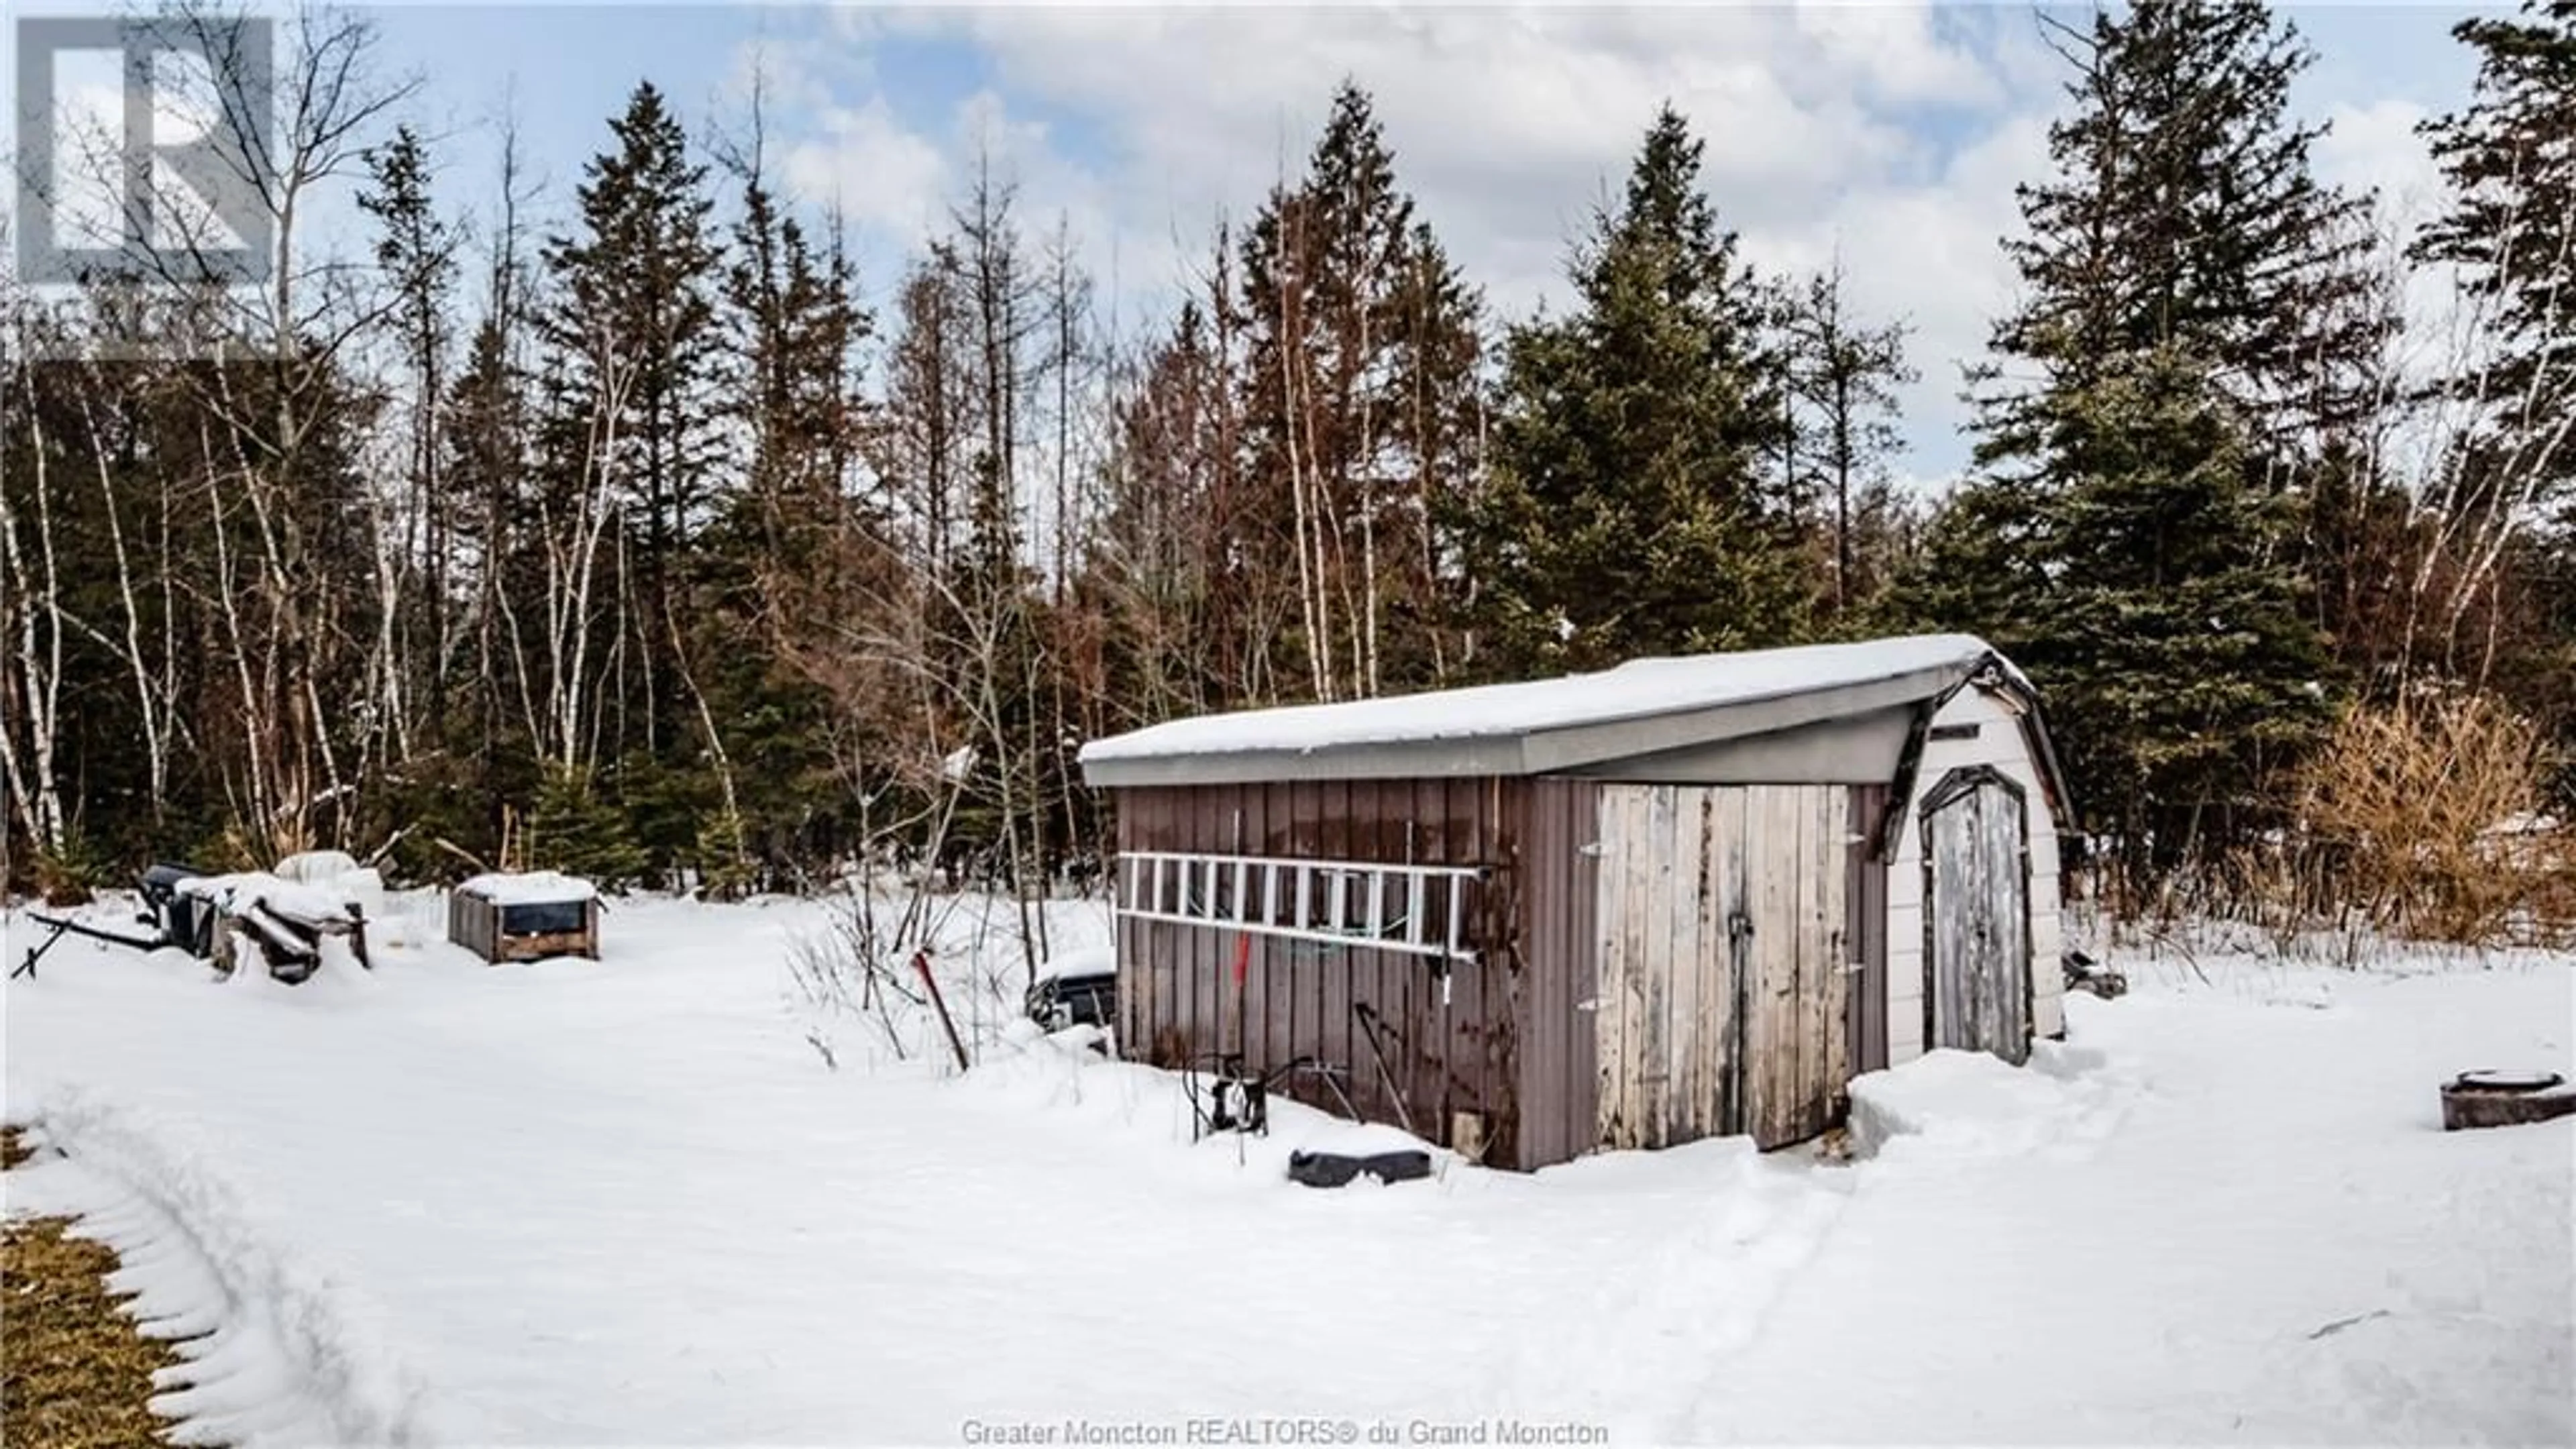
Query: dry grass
[
  {"x": 2402, "y": 830},
  {"x": 74, "y": 1372}
]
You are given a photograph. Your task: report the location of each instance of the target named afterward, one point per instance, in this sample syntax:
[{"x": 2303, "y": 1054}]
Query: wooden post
[
  {"x": 358, "y": 936},
  {"x": 921, "y": 963}
]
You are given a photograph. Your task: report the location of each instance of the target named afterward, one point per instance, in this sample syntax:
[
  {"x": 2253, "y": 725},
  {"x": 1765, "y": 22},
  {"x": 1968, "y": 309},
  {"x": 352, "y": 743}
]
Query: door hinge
[
  {"x": 1589, "y": 1003},
  {"x": 1592, "y": 849}
]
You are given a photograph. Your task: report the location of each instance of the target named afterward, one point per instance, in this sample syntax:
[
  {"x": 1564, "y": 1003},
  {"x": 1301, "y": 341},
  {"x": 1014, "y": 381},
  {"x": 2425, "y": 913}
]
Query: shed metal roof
[{"x": 1639, "y": 708}]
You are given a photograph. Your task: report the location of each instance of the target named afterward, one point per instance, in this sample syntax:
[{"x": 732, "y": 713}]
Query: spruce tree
[
  {"x": 416, "y": 254},
  {"x": 778, "y": 569},
  {"x": 1843, "y": 374},
  {"x": 636, "y": 335},
  {"x": 1629, "y": 513},
  {"x": 2510, "y": 236},
  {"x": 1360, "y": 384},
  {"x": 2183, "y": 210},
  {"x": 573, "y": 830},
  {"x": 2174, "y": 644},
  {"x": 2194, "y": 342}
]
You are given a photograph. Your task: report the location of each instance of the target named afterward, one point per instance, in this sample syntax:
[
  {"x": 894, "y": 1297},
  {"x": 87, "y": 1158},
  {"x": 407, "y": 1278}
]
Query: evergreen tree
[
  {"x": 416, "y": 252},
  {"x": 1360, "y": 390},
  {"x": 2195, "y": 343},
  {"x": 1629, "y": 513},
  {"x": 2183, "y": 211},
  {"x": 638, "y": 343},
  {"x": 2174, "y": 643},
  {"x": 777, "y": 566},
  {"x": 573, "y": 830}
]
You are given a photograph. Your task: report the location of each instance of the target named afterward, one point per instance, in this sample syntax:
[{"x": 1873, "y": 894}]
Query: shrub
[{"x": 2426, "y": 817}]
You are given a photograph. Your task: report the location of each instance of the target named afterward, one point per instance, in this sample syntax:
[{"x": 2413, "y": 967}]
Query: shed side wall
[{"x": 1376, "y": 1017}]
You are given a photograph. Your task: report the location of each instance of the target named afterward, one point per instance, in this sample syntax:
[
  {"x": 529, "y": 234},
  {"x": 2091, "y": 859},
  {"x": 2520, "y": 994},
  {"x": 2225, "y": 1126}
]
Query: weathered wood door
[
  {"x": 1723, "y": 938},
  {"x": 1976, "y": 914}
]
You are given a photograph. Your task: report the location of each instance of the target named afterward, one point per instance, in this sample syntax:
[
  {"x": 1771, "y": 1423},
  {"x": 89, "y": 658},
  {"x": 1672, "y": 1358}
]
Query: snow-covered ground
[{"x": 629, "y": 1202}]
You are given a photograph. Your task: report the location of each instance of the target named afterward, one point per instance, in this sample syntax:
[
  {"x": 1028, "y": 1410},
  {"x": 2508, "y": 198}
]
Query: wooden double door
[{"x": 1732, "y": 987}]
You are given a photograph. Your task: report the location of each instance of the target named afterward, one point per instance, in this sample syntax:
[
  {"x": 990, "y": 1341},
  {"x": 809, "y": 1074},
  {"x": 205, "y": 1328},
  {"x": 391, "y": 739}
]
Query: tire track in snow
[{"x": 274, "y": 1353}]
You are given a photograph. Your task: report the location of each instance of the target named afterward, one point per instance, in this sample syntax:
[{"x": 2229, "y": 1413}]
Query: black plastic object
[
  {"x": 187, "y": 922},
  {"x": 1062, "y": 1001},
  {"x": 2083, "y": 973},
  {"x": 1335, "y": 1169}
]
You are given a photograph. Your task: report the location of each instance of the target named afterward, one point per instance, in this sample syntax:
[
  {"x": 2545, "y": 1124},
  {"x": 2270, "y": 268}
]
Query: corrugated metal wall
[
  {"x": 1377, "y": 1016},
  {"x": 1559, "y": 968}
]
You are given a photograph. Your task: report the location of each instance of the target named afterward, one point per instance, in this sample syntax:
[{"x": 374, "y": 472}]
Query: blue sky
[{"x": 1890, "y": 134}]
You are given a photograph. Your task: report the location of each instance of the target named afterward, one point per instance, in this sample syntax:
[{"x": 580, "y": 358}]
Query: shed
[
  {"x": 525, "y": 917},
  {"x": 1680, "y": 898}
]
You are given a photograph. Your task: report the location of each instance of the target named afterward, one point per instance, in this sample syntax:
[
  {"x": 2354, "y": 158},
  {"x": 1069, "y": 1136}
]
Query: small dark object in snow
[
  {"x": 2504, "y": 1099},
  {"x": 1225, "y": 1098},
  {"x": 1090, "y": 999},
  {"x": 1333, "y": 1169},
  {"x": 2083, "y": 973},
  {"x": 2340, "y": 1324}
]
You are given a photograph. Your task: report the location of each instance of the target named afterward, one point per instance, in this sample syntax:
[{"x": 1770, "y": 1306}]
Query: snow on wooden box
[
  {"x": 1675, "y": 899},
  {"x": 525, "y": 917}
]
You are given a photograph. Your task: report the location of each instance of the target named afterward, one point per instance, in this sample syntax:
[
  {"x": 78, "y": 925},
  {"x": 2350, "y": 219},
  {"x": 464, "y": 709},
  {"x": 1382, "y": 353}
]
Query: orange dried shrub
[{"x": 2427, "y": 817}]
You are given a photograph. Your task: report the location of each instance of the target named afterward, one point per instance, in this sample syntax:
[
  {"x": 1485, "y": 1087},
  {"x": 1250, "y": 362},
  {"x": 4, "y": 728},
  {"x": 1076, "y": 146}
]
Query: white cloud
[
  {"x": 1894, "y": 133},
  {"x": 1895, "y": 52},
  {"x": 2373, "y": 145},
  {"x": 867, "y": 162}
]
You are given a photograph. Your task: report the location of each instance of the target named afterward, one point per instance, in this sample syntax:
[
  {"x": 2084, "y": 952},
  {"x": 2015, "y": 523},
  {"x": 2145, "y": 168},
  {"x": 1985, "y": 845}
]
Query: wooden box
[{"x": 524, "y": 917}]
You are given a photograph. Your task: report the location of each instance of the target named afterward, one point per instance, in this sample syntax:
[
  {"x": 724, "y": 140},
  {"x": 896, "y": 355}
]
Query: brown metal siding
[
  {"x": 1559, "y": 891},
  {"x": 1178, "y": 1001}
]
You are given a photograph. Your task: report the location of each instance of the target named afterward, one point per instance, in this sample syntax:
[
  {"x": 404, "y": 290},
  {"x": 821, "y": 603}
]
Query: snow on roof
[
  {"x": 1635, "y": 690},
  {"x": 529, "y": 888}
]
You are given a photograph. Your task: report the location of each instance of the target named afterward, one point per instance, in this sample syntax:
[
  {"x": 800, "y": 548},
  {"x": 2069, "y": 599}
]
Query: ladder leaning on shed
[{"x": 1419, "y": 910}]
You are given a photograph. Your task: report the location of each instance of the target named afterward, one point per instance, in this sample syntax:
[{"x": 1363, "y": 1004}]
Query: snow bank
[
  {"x": 277, "y": 1352},
  {"x": 1973, "y": 1103},
  {"x": 530, "y": 888},
  {"x": 316, "y": 866},
  {"x": 1637, "y": 689},
  {"x": 1061, "y": 1071}
]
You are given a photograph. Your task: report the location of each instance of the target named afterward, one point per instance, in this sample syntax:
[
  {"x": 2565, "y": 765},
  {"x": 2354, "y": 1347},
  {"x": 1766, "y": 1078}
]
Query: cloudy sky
[{"x": 1893, "y": 133}]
